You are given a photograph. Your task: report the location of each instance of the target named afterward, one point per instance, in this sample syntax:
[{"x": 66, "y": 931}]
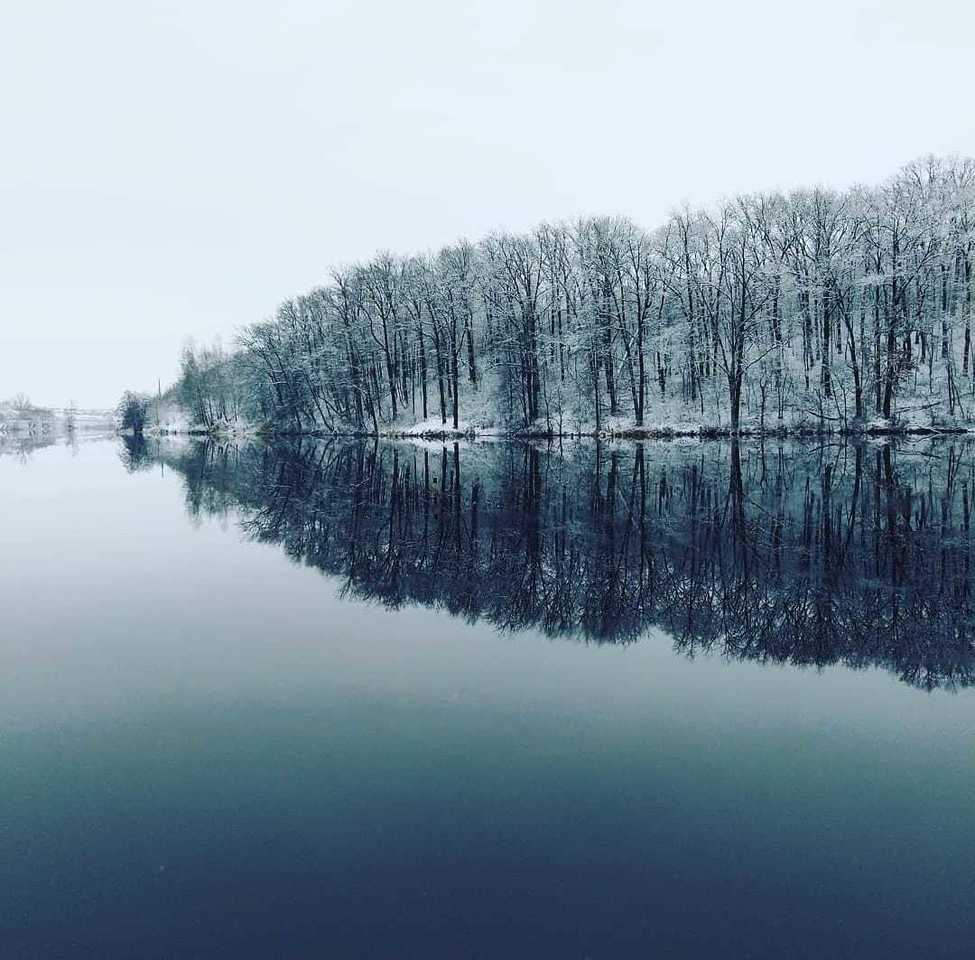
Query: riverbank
[{"x": 867, "y": 431}]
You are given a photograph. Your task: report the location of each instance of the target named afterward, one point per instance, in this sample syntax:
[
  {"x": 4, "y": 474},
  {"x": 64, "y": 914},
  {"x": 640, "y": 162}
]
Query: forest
[
  {"x": 814, "y": 310},
  {"x": 807, "y": 554}
]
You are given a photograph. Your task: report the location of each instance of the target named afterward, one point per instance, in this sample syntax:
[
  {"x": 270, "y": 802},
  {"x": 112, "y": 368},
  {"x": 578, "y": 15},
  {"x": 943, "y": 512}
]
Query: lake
[{"x": 348, "y": 699}]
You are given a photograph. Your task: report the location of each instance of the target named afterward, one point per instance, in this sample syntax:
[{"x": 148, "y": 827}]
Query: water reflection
[
  {"x": 23, "y": 446},
  {"x": 797, "y": 554},
  {"x": 136, "y": 453}
]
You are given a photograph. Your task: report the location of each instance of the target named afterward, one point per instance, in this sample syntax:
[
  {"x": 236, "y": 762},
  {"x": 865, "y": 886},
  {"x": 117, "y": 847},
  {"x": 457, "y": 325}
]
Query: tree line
[{"x": 817, "y": 308}]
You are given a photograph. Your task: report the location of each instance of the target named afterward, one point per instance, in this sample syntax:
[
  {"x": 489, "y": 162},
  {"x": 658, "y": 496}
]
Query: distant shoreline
[{"x": 635, "y": 434}]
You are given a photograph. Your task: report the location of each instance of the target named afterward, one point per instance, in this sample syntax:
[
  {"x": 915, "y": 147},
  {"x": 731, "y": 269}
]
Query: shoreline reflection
[{"x": 809, "y": 555}]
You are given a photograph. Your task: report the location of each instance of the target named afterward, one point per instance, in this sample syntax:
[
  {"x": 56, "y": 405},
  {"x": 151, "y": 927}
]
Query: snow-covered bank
[
  {"x": 916, "y": 412},
  {"x": 874, "y": 428}
]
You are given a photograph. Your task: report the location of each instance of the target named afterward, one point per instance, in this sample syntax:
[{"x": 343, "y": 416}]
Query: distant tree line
[
  {"x": 19, "y": 415},
  {"x": 817, "y": 308}
]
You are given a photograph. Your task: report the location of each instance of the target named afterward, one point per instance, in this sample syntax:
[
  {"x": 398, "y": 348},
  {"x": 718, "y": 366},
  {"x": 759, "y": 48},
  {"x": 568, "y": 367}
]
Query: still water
[{"x": 348, "y": 700}]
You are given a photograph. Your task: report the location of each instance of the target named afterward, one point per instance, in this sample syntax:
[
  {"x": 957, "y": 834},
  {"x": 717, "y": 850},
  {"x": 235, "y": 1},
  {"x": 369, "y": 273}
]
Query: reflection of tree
[
  {"x": 835, "y": 554},
  {"x": 22, "y": 447},
  {"x": 134, "y": 453}
]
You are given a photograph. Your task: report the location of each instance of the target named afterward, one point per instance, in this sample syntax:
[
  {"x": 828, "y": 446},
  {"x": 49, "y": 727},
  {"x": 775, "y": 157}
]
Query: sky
[{"x": 175, "y": 169}]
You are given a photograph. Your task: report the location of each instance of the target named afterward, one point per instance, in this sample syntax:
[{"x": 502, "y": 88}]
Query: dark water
[{"x": 659, "y": 700}]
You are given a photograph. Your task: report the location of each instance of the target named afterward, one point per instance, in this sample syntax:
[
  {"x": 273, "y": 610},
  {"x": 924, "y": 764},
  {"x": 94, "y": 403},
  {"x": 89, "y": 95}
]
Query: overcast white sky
[{"x": 176, "y": 168}]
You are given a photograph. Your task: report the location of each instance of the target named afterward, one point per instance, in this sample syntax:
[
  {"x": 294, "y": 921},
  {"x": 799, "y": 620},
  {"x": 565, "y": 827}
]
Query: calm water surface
[{"x": 344, "y": 700}]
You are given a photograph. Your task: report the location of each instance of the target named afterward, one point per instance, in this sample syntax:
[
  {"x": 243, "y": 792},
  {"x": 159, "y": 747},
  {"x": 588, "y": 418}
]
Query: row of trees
[{"x": 816, "y": 307}]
